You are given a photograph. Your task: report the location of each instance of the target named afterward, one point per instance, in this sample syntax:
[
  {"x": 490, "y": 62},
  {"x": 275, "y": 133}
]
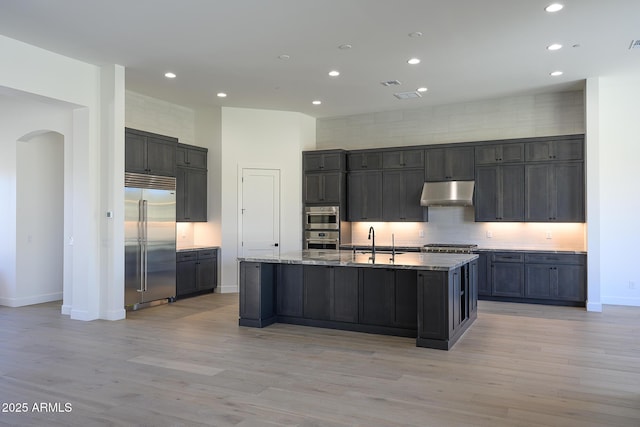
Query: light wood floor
[{"x": 189, "y": 364}]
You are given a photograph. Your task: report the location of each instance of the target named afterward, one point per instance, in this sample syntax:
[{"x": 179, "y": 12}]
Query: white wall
[
  {"x": 614, "y": 205},
  {"x": 42, "y": 78},
  {"x": 40, "y": 225},
  {"x": 26, "y": 118},
  {"x": 262, "y": 139},
  {"x": 502, "y": 118}
]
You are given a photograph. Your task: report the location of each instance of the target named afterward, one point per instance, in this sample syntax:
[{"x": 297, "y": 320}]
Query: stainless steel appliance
[
  {"x": 447, "y": 193},
  {"x": 150, "y": 240},
  {"x": 451, "y": 248},
  {"x": 322, "y": 218},
  {"x": 319, "y": 239}
]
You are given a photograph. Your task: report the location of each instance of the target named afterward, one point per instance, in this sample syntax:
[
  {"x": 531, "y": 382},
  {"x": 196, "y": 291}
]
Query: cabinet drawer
[
  {"x": 207, "y": 253},
  {"x": 550, "y": 258},
  {"x": 186, "y": 256},
  {"x": 507, "y": 257}
]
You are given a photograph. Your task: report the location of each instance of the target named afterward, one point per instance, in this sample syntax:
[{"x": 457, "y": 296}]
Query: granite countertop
[
  {"x": 195, "y": 248},
  {"x": 406, "y": 260},
  {"x": 542, "y": 250},
  {"x": 524, "y": 248}
]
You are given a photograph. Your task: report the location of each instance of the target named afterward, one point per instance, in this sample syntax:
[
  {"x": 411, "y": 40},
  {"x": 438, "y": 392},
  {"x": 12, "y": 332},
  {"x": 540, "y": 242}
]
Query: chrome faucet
[{"x": 372, "y": 232}]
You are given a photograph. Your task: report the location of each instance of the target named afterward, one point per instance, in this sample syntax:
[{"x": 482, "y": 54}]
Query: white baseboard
[
  {"x": 631, "y": 301},
  {"x": 594, "y": 306},
  {"x": 66, "y": 309},
  {"x": 229, "y": 289},
  {"x": 82, "y": 315},
  {"x": 114, "y": 314},
  {"x": 31, "y": 300}
]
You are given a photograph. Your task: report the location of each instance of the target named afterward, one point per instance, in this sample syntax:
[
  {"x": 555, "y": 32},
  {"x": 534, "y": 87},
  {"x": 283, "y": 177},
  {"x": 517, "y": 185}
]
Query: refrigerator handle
[
  {"x": 145, "y": 236},
  {"x": 141, "y": 244}
]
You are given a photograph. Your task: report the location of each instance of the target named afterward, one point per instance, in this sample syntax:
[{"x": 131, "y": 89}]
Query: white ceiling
[{"x": 470, "y": 49}]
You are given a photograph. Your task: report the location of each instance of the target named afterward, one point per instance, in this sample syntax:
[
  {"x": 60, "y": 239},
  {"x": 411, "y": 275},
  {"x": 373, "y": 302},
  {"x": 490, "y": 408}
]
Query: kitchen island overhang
[{"x": 431, "y": 297}]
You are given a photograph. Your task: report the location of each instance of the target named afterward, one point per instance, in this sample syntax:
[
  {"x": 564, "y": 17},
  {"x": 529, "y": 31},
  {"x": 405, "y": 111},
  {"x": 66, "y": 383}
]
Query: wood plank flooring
[{"x": 190, "y": 364}]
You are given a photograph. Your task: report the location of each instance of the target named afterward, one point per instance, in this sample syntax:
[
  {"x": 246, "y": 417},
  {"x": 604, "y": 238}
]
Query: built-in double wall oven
[{"x": 321, "y": 227}]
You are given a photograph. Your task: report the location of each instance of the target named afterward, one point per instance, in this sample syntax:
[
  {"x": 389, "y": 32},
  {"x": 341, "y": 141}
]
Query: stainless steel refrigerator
[{"x": 150, "y": 240}]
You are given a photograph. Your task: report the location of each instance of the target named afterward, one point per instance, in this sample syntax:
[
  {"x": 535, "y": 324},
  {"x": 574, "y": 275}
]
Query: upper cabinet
[
  {"x": 554, "y": 192},
  {"x": 401, "y": 191},
  {"x": 324, "y": 161},
  {"x": 365, "y": 196},
  {"x": 403, "y": 159},
  {"x": 499, "y": 153},
  {"x": 149, "y": 153},
  {"x": 191, "y": 184},
  {"x": 499, "y": 193},
  {"x": 189, "y": 156},
  {"x": 324, "y": 180},
  {"x": 364, "y": 160},
  {"x": 555, "y": 150},
  {"x": 449, "y": 164}
]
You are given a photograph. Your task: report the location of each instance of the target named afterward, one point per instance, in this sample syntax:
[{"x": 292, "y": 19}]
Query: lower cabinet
[
  {"x": 538, "y": 277},
  {"x": 257, "y": 293},
  {"x": 554, "y": 277},
  {"x": 434, "y": 306},
  {"x": 330, "y": 293},
  {"x": 196, "y": 272}
]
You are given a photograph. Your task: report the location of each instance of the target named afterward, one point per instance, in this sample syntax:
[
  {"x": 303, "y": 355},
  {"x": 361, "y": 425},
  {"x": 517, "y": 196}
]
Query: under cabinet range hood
[{"x": 447, "y": 193}]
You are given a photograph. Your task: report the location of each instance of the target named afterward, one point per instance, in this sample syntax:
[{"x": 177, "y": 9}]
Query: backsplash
[{"x": 456, "y": 225}]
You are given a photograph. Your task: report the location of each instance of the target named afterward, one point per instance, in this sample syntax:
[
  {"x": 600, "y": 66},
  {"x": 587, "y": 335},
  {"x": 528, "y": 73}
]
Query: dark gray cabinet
[
  {"x": 554, "y": 192},
  {"x": 190, "y": 156},
  {"x": 191, "y": 184},
  {"x": 330, "y": 293},
  {"x": 409, "y": 159},
  {"x": 324, "y": 188},
  {"x": 376, "y": 297},
  {"x": 499, "y": 153},
  {"x": 257, "y": 288},
  {"x": 559, "y": 277},
  {"x": 323, "y": 161},
  {"x": 364, "y": 160},
  {"x": 449, "y": 164},
  {"x": 540, "y": 277},
  {"x": 555, "y": 150},
  {"x": 191, "y": 195},
  {"x": 196, "y": 271},
  {"x": 388, "y": 298},
  {"x": 401, "y": 191},
  {"x": 289, "y": 290},
  {"x": 499, "y": 193},
  {"x": 149, "y": 153},
  {"x": 316, "y": 292},
  {"x": 507, "y": 271},
  {"x": 365, "y": 195},
  {"x": 484, "y": 276}
]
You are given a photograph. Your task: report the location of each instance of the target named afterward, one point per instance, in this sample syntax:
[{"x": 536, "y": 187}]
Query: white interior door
[{"x": 260, "y": 212}]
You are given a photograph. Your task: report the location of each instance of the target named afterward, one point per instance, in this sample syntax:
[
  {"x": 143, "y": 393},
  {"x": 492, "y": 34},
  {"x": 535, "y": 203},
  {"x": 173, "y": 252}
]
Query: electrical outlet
[
  {"x": 549, "y": 236},
  {"x": 632, "y": 284},
  {"x": 421, "y": 233},
  {"x": 489, "y": 234}
]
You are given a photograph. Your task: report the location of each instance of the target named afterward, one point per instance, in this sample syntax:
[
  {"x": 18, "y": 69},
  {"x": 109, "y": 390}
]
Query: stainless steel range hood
[{"x": 449, "y": 193}]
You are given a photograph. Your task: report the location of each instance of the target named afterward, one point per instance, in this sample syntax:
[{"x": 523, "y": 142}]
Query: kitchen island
[{"x": 431, "y": 297}]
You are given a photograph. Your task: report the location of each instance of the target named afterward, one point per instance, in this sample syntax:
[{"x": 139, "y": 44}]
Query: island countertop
[{"x": 402, "y": 260}]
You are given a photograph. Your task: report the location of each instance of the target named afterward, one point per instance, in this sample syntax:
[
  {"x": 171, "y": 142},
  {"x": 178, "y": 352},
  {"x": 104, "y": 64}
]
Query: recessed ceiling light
[
  {"x": 556, "y": 73},
  {"x": 413, "y": 61},
  {"x": 554, "y": 7},
  {"x": 422, "y": 89},
  {"x": 170, "y": 75},
  {"x": 554, "y": 46},
  {"x": 284, "y": 57},
  {"x": 316, "y": 102},
  {"x": 415, "y": 34},
  {"x": 345, "y": 46},
  {"x": 221, "y": 95},
  {"x": 334, "y": 73}
]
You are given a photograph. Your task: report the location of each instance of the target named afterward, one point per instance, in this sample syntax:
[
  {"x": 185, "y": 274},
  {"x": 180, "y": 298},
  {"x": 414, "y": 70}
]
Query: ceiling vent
[
  {"x": 407, "y": 95},
  {"x": 635, "y": 44},
  {"x": 390, "y": 83}
]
